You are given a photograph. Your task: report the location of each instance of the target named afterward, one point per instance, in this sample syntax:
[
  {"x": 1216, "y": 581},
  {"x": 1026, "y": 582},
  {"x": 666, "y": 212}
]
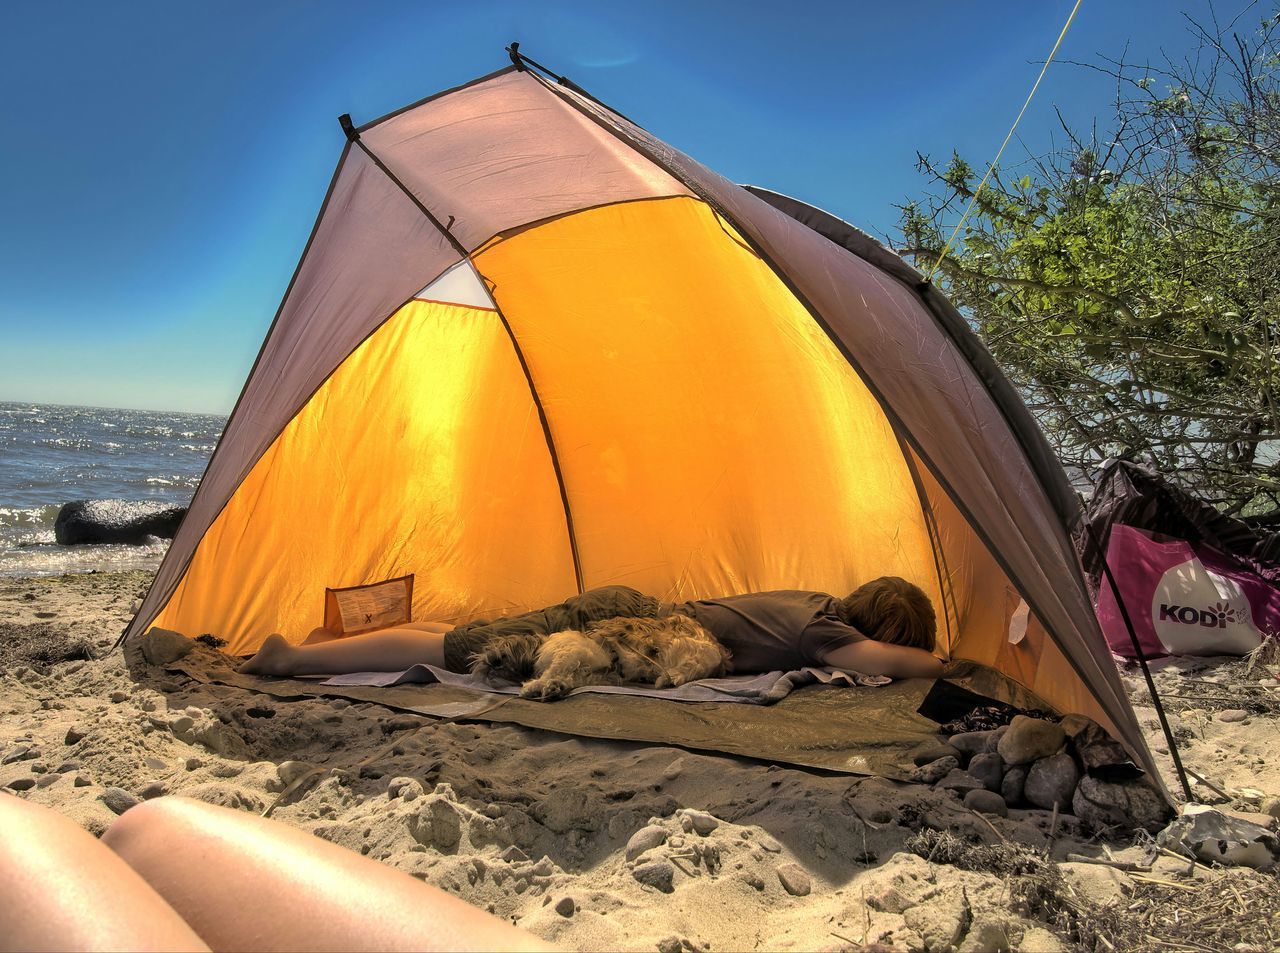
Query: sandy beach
[{"x": 617, "y": 845}]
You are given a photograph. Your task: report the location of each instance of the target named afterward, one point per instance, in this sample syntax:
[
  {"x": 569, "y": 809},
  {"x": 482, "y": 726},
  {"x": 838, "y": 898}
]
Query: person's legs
[
  {"x": 60, "y": 889},
  {"x": 246, "y": 883},
  {"x": 386, "y": 650}
]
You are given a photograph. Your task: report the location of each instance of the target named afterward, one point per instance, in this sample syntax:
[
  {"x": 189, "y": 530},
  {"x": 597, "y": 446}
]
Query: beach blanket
[
  {"x": 827, "y": 726},
  {"x": 766, "y": 689}
]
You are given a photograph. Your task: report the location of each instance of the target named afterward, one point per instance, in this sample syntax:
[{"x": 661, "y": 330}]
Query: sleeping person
[{"x": 885, "y": 627}]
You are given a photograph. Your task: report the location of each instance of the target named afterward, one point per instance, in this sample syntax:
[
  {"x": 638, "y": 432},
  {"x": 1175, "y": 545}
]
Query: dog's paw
[
  {"x": 545, "y": 689},
  {"x": 664, "y": 681}
]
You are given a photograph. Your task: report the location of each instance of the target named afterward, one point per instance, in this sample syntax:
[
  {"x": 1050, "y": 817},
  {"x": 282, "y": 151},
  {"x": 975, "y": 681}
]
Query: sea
[{"x": 52, "y": 454}]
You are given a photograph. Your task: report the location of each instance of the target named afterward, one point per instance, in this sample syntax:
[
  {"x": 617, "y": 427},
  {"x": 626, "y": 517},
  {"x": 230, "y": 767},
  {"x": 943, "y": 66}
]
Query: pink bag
[{"x": 1182, "y": 599}]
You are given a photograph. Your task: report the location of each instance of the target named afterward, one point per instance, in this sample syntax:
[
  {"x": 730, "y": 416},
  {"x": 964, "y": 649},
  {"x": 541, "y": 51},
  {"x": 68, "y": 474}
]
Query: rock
[
  {"x": 794, "y": 880},
  {"x": 1125, "y": 804},
  {"x": 153, "y": 789},
  {"x": 960, "y": 782},
  {"x": 971, "y": 742},
  {"x": 935, "y": 770},
  {"x": 514, "y": 855},
  {"x": 1052, "y": 781},
  {"x": 672, "y": 771},
  {"x": 1097, "y": 884},
  {"x": 703, "y": 823},
  {"x": 1012, "y": 788},
  {"x": 192, "y": 763},
  {"x": 290, "y": 771},
  {"x": 45, "y": 780},
  {"x": 986, "y": 802},
  {"x": 155, "y": 764},
  {"x": 566, "y": 906},
  {"x": 118, "y": 799},
  {"x": 656, "y": 873},
  {"x": 437, "y": 824},
  {"x": 20, "y": 753},
  {"x": 991, "y": 935},
  {"x": 752, "y": 880},
  {"x": 670, "y": 944},
  {"x": 21, "y": 784},
  {"x": 931, "y": 753},
  {"x": 81, "y": 781},
  {"x": 941, "y": 922},
  {"x": 182, "y": 726},
  {"x": 407, "y": 789},
  {"x": 1040, "y": 940},
  {"x": 115, "y": 521},
  {"x": 39, "y": 767},
  {"x": 73, "y": 736},
  {"x": 161, "y": 646},
  {"x": 1270, "y": 806},
  {"x": 1096, "y": 749},
  {"x": 987, "y": 768},
  {"x": 1029, "y": 739},
  {"x": 1233, "y": 714},
  {"x": 768, "y": 843},
  {"x": 118, "y": 697},
  {"x": 644, "y": 839}
]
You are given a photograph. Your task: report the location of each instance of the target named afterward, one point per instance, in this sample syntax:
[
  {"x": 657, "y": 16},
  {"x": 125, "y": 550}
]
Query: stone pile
[{"x": 1045, "y": 764}]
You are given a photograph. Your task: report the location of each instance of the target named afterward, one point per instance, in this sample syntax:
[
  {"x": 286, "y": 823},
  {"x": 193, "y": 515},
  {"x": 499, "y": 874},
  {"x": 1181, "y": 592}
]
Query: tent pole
[{"x": 1142, "y": 660}]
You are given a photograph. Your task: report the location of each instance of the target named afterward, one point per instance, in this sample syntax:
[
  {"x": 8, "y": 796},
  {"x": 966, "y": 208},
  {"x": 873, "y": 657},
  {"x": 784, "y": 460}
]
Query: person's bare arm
[{"x": 878, "y": 658}]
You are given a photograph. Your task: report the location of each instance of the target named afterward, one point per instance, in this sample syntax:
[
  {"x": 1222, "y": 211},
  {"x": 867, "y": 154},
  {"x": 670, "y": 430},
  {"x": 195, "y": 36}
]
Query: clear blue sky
[{"x": 163, "y": 161}]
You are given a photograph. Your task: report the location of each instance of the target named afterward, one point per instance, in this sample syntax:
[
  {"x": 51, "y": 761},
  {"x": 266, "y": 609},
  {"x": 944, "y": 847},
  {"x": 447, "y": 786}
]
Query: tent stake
[{"x": 1142, "y": 658}]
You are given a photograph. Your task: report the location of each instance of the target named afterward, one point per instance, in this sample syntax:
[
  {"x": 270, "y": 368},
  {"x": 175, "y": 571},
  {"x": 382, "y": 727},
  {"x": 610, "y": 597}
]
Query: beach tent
[{"x": 530, "y": 349}]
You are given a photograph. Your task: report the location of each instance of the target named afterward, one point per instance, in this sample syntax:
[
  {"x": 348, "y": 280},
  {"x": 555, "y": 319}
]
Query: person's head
[{"x": 892, "y": 610}]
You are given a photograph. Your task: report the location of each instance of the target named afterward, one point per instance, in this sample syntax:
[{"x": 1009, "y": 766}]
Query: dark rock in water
[{"x": 115, "y": 521}]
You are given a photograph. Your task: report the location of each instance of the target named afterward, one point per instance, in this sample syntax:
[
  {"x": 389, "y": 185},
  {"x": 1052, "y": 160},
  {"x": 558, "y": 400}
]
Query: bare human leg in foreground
[
  {"x": 386, "y": 650},
  {"x": 177, "y": 874}
]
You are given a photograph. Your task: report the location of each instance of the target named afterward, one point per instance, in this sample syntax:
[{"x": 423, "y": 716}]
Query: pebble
[
  {"x": 566, "y": 906},
  {"x": 39, "y": 767},
  {"x": 118, "y": 697},
  {"x": 290, "y": 771},
  {"x": 81, "y": 781},
  {"x": 670, "y": 944},
  {"x": 1052, "y": 781},
  {"x": 657, "y": 873},
  {"x": 672, "y": 771},
  {"x": 935, "y": 770},
  {"x": 193, "y": 763},
  {"x": 118, "y": 799},
  {"x": 960, "y": 781},
  {"x": 986, "y": 802},
  {"x": 703, "y": 823},
  {"x": 1029, "y": 739},
  {"x": 407, "y": 789},
  {"x": 1013, "y": 786},
  {"x": 21, "y": 784},
  {"x": 182, "y": 724},
  {"x": 1233, "y": 714},
  {"x": 971, "y": 742},
  {"x": 152, "y": 789},
  {"x": 989, "y": 769},
  {"x": 73, "y": 736},
  {"x": 1270, "y": 806},
  {"x": 933, "y": 752},
  {"x": 161, "y": 646},
  {"x": 46, "y": 780},
  {"x": 19, "y": 753},
  {"x": 155, "y": 764},
  {"x": 794, "y": 879},
  {"x": 768, "y": 843},
  {"x": 644, "y": 839},
  {"x": 752, "y": 880}
]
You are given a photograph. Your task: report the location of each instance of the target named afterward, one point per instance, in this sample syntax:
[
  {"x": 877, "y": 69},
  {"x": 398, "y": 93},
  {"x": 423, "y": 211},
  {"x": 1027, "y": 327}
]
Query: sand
[{"x": 535, "y": 826}]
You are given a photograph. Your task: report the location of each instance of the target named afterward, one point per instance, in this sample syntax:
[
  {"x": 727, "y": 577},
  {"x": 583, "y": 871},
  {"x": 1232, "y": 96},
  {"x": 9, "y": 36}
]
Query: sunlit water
[{"x": 50, "y": 455}]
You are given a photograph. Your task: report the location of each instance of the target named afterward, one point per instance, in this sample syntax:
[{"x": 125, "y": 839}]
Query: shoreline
[{"x": 535, "y": 826}]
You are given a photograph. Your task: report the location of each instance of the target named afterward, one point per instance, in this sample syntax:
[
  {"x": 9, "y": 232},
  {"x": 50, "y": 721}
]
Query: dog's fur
[{"x": 667, "y": 652}]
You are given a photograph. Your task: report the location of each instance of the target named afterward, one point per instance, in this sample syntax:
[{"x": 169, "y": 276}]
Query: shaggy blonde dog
[{"x": 667, "y": 652}]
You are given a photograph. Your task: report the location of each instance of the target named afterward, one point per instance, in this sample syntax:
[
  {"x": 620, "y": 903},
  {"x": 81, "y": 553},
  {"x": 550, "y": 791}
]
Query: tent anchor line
[
  {"x": 353, "y": 136},
  {"x": 1142, "y": 661}
]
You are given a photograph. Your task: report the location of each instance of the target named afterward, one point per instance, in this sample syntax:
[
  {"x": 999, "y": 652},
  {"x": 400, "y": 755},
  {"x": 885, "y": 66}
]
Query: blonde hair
[{"x": 892, "y": 610}]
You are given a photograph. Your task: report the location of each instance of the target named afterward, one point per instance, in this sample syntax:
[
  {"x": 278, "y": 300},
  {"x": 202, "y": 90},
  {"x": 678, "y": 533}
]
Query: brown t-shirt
[{"x": 774, "y": 631}]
